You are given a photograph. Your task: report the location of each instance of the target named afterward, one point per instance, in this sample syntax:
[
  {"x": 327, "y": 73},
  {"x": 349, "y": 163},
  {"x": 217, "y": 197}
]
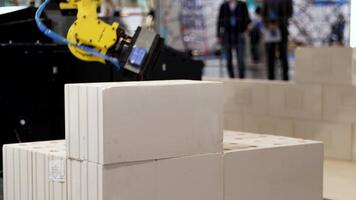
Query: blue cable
[{"x": 60, "y": 39}]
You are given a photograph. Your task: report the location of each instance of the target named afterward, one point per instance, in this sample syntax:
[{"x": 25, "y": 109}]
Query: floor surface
[{"x": 339, "y": 180}]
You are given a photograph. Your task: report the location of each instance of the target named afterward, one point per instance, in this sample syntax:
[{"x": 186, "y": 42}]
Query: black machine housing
[{"x": 158, "y": 61}]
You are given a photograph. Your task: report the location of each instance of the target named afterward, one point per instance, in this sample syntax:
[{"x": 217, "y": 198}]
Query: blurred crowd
[
  {"x": 267, "y": 28},
  {"x": 269, "y": 24}
]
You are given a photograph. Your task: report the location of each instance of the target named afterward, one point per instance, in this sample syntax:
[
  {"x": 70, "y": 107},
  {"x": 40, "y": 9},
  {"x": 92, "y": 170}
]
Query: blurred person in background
[
  {"x": 107, "y": 9},
  {"x": 276, "y": 15},
  {"x": 150, "y": 20},
  {"x": 233, "y": 23},
  {"x": 256, "y": 35},
  {"x": 338, "y": 31}
]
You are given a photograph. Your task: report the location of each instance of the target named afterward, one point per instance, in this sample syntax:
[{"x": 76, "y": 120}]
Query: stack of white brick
[
  {"x": 247, "y": 107},
  {"x": 319, "y": 105},
  {"x": 132, "y": 141},
  {"x": 41, "y": 171},
  {"x": 334, "y": 70},
  {"x": 144, "y": 140},
  {"x": 137, "y": 121},
  {"x": 254, "y": 167},
  {"x": 35, "y": 171},
  {"x": 158, "y": 141},
  {"x": 271, "y": 167}
]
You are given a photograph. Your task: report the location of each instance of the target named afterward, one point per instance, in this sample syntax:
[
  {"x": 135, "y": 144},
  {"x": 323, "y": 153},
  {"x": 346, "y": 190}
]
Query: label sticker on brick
[{"x": 56, "y": 171}]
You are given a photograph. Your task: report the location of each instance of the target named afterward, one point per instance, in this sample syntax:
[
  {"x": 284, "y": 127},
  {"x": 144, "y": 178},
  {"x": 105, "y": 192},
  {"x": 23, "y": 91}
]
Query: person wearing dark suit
[
  {"x": 276, "y": 15},
  {"x": 232, "y": 25}
]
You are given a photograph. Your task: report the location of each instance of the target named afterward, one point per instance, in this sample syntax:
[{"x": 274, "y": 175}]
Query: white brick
[
  {"x": 138, "y": 121},
  {"x": 83, "y": 122},
  {"x": 232, "y": 136},
  {"x": 25, "y": 174},
  {"x": 93, "y": 137},
  {"x": 233, "y": 122},
  {"x": 43, "y": 157},
  {"x": 325, "y": 65},
  {"x": 66, "y": 115},
  {"x": 189, "y": 178},
  {"x": 17, "y": 177},
  {"x": 295, "y": 101},
  {"x": 74, "y": 179},
  {"x": 28, "y": 177},
  {"x": 337, "y": 137},
  {"x": 340, "y": 104},
  {"x": 268, "y": 125},
  {"x": 354, "y": 143},
  {"x": 354, "y": 65},
  {"x": 72, "y": 121},
  {"x": 230, "y": 97},
  {"x": 8, "y": 172},
  {"x": 271, "y": 167},
  {"x": 246, "y": 97}
]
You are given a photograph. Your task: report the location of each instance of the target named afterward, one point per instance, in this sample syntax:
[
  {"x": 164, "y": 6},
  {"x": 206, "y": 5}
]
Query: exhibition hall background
[
  {"x": 310, "y": 25},
  {"x": 191, "y": 25}
]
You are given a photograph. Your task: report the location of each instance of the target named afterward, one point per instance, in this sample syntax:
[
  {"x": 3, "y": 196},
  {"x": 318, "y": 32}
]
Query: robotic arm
[
  {"x": 91, "y": 39},
  {"x": 90, "y": 31}
]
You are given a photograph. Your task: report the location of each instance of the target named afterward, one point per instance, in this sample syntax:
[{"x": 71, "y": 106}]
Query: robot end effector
[{"x": 135, "y": 54}]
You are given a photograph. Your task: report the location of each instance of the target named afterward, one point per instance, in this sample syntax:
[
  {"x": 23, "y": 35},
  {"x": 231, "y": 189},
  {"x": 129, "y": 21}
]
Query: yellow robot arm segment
[{"x": 88, "y": 30}]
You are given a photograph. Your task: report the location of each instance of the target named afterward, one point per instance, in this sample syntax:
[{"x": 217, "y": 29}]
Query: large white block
[
  {"x": 268, "y": 125},
  {"x": 325, "y": 65},
  {"x": 124, "y": 122},
  {"x": 31, "y": 171},
  {"x": 8, "y": 173},
  {"x": 233, "y": 121},
  {"x": 354, "y": 143},
  {"x": 189, "y": 178},
  {"x": 340, "y": 104},
  {"x": 272, "y": 167},
  {"x": 288, "y": 100},
  {"x": 337, "y": 137},
  {"x": 246, "y": 97}
]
